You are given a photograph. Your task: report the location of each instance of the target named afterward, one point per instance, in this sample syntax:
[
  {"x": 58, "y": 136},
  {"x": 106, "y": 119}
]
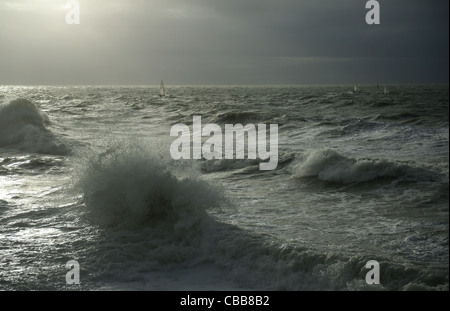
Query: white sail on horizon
[{"x": 162, "y": 90}]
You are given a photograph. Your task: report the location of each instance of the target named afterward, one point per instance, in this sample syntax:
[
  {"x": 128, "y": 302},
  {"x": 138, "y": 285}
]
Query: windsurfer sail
[{"x": 162, "y": 90}]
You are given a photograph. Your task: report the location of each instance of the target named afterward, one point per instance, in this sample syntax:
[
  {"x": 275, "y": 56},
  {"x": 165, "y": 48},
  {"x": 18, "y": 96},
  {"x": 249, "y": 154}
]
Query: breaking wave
[
  {"x": 127, "y": 185},
  {"x": 154, "y": 219},
  {"x": 23, "y": 125},
  {"x": 329, "y": 165}
]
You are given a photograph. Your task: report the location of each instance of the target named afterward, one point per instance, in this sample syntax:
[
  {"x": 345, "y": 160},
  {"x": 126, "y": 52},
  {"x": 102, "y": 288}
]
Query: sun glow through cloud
[{"x": 212, "y": 41}]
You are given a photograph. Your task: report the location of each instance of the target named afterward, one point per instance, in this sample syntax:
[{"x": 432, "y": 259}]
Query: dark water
[{"x": 86, "y": 174}]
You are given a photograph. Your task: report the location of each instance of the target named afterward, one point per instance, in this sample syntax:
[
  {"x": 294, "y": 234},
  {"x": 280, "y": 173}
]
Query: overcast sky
[{"x": 223, "y": 42}]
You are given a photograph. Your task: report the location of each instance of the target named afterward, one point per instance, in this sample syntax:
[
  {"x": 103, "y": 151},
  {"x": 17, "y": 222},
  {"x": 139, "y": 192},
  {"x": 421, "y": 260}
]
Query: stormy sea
[{"x": 86, "y": 175}]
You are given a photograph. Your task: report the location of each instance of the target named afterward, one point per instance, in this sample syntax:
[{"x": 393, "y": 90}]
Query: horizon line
[{"x": 224, "y": 84}]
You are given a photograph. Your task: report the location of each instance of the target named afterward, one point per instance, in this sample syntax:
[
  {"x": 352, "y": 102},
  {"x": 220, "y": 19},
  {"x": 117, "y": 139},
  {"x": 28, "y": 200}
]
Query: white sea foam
[
  {"x": 127, "y": 184},
  {"x": 329, "y": 165}
]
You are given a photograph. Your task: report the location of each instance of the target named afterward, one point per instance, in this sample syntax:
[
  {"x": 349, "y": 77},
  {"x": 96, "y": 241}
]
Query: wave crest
[
  {"x": 329, "y": 165},
  {"x": 22, "y": 124},
  {"x": 127, "y": 185}
]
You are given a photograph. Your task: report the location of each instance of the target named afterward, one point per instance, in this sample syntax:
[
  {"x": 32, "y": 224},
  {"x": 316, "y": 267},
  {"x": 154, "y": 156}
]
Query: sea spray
[
  {"x": 150, "y": 213},
  {"x": 129, "y": 184}
]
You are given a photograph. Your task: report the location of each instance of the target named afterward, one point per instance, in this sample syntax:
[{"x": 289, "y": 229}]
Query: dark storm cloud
[{"x": 231, "y": 42}]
